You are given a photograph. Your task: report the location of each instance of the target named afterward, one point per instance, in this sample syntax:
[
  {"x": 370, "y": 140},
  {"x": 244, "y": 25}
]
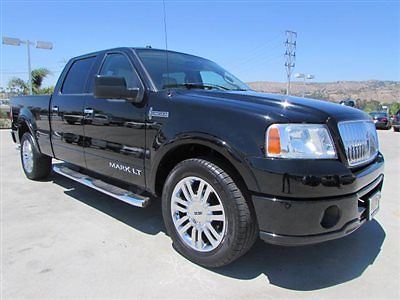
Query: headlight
[{"x": 299, "y": 141}]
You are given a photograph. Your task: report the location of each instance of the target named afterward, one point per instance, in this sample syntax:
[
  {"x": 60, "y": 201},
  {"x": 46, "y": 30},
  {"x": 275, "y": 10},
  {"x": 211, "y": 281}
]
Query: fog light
[{"x": 331, "y": 217}]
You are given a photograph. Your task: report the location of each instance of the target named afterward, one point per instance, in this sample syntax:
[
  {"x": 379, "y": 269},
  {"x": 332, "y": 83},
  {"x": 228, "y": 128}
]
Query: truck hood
[{"x": 282, "y": 107}]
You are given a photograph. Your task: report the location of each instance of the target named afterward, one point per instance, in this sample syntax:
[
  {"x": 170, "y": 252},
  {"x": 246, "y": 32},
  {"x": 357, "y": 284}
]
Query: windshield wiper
[{"x": 193, "y": 85}]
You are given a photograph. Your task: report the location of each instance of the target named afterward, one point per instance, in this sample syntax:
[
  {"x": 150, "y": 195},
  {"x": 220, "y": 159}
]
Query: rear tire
[
  {"x": 395, "y": 129},
  {"x": 215, "y": 226},
  {"x": 35, "y": 165}
]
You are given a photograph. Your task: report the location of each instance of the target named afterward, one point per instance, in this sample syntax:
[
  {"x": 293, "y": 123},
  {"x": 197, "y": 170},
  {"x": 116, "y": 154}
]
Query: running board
[{"x": 101, "y": 186}]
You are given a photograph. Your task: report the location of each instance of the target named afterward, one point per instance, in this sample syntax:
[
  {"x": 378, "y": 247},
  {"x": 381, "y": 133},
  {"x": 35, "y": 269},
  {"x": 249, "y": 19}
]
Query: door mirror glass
[{"x": 114, "y": 87}]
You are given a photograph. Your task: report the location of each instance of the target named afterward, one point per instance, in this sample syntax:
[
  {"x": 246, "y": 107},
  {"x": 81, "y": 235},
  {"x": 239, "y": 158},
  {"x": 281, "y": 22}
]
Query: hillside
[{"x": 381, "y": 91}]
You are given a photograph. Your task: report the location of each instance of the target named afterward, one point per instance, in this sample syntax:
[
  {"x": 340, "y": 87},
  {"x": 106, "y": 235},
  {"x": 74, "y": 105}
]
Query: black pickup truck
[{"x": 229, "y": 164}]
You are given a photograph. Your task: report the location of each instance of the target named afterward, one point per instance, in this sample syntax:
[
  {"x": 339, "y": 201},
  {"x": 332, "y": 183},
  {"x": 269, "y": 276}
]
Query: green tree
[
  {"x": 372, "y": 105},
  {"x": 38, "y": 75},
  {"x": 46, "y": 90},
  {"x": 394, "y": 108},
  {"x": 19, "y": 84}
]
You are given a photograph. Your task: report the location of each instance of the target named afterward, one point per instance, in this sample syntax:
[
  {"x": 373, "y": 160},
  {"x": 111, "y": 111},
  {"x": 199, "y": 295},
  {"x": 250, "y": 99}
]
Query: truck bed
[{"x": 37, "y": 109}]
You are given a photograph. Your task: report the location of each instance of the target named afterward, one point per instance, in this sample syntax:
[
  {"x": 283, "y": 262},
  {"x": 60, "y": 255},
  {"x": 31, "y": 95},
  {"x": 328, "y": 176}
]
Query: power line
[
  {"x": 268, "y": 60},
  {"x": 260, "y": 47},
  {"x": 257, "y": 56},
  {"x": 290, "y": 56},
  {"x": 259, "y": 51}
]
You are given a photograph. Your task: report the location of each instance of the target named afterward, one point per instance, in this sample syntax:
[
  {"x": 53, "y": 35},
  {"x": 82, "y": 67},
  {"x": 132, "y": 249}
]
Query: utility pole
[{"x": 290, "y": 56}]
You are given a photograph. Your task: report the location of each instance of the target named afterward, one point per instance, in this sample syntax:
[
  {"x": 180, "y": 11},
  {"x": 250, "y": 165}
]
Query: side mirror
[{"x": 113, "y": 87}]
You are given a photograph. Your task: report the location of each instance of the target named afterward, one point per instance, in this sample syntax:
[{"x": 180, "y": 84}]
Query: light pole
[
  {"x": 39, "y": 45},
  {"x": 305, "y": 77}
]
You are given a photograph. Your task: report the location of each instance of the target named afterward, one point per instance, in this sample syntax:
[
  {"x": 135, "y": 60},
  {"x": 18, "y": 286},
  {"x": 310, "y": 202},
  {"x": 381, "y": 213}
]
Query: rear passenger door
[
  {"x": 66, "y": 112},
  {"x": 115, "y": 128}
]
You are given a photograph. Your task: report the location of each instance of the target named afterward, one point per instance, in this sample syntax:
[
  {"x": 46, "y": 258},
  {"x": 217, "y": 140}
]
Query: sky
[{"x": 336, "y": 40}]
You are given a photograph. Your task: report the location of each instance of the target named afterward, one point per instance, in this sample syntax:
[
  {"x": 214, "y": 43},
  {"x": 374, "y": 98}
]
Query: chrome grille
[{"x": 360, "y": 141}]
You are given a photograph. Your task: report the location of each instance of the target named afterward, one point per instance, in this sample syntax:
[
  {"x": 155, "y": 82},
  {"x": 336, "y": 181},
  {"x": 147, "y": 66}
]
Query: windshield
[{"x": 186, "y": 71}]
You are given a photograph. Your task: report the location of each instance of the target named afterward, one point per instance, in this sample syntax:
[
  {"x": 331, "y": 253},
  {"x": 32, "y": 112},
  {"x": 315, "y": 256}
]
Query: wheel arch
[
  {"x": 216, "y": 150},
  {"x": 25, "y": 124}
]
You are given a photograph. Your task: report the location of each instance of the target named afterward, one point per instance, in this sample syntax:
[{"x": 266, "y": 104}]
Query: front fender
[{"x": 221, "y": 146}]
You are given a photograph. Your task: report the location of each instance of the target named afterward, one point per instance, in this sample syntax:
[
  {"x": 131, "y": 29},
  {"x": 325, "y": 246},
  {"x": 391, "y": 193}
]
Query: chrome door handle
[
  {"x": 54, "y": 109},
  {"x": 88, "y": 111}
]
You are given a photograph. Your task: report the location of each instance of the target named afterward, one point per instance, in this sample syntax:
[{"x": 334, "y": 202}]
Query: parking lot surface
[{"x": 61, "y": 240}]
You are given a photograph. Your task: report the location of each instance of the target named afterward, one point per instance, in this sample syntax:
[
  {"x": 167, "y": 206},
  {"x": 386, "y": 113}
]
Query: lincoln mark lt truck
[{"x": 229, "y": 165}]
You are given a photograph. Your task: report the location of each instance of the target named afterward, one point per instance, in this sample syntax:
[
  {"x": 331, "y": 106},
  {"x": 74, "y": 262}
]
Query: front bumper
[{"x": 301, "y": 221}]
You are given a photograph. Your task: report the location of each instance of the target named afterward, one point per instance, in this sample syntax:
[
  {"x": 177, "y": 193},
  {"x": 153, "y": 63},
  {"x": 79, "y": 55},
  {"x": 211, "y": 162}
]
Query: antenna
[{"x": 166, "y": 42}]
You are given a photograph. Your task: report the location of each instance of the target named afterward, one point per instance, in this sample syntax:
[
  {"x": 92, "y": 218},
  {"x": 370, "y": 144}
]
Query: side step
[{"x": 101, "y": 186}]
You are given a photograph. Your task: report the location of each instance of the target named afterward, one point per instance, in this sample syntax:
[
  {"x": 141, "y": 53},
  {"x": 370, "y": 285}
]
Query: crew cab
[{"x": 228, "y": 164}]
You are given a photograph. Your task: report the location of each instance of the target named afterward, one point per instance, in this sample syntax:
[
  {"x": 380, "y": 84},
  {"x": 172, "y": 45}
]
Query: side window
[
  {"x": 119, "y": 65},
  {"x": 75, "y": 81}
]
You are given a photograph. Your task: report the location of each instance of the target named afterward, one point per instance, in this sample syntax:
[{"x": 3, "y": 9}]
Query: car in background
[
  {"x": 100, "y": 119},
  {"x": 396, "y": 121},
  {"x": 381, "y": 119},
  {"x": 348, "y": 102}
]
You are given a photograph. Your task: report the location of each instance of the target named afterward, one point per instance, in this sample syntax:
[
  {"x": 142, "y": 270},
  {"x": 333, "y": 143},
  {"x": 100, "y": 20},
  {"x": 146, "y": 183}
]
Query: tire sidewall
[{"x": 193, "y": 168}]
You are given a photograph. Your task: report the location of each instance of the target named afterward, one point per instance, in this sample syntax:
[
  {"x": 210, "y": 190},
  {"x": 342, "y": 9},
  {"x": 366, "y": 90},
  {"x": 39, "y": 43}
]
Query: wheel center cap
[{"x": 197, "y": 212}]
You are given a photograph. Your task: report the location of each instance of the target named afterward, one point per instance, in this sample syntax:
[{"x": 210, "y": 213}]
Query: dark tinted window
[
  {"x": 186, "y": 69},
  {"x": 77, "y": 75},
  {"x": 119, "y": 65}
]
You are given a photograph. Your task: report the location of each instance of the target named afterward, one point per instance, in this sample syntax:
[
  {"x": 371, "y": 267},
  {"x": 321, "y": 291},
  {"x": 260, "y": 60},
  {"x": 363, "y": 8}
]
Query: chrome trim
[
  {"x": 27, "y": 156},
  {"x": 198, "y": 214},
  {"x": 360, "y": 141},
  {"x": 123, "y": 195}
]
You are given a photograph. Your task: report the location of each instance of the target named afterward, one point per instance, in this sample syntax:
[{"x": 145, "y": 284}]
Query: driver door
[{"x": 115, "y": 128}]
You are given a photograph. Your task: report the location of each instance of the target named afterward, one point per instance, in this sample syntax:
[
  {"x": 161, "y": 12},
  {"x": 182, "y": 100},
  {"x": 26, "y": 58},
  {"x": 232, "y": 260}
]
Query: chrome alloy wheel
[
  {"x": 198, "y": 214},
  {"x": 27, "y": 156}
]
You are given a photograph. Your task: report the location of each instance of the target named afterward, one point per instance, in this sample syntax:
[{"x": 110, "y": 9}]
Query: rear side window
[{"x": 75, "y": 81}]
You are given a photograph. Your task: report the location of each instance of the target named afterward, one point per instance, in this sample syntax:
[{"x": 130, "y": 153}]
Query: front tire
[
  {"x": 35, "y": 165},
  {"x": 206, "y": 214}
]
